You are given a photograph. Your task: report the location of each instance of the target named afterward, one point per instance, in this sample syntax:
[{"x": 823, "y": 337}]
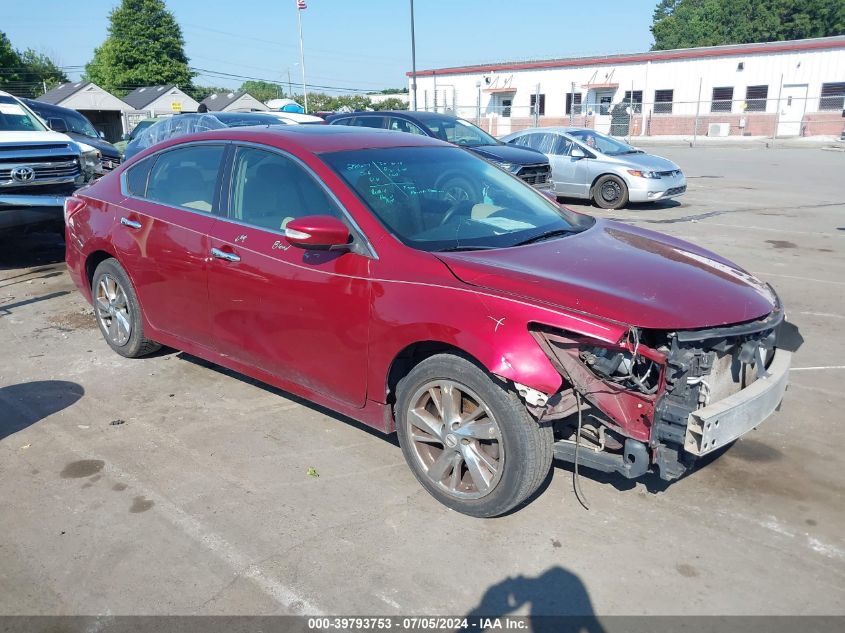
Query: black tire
[
  {"x": 610, "y": 192},
  {"x": 458, "y": 189},
  {"x": 527, "y": 447},
  {"x": 135, "y": 345}
]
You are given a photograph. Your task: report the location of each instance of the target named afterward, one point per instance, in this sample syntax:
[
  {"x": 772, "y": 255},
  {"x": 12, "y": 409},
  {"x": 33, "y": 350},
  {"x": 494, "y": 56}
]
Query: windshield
[
  {"x": 16, "y": 118},
  {"x": 604, "y": 144},
  {"x": 458, "y": 131},
  {"x": 442, "y": 198},
  {"x": 80, "y": 125},
  {"x": 143, "y": 125}
]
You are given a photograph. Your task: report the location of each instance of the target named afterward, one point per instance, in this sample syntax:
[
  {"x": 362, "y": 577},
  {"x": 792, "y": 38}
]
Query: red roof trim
[{"x": 691, "y": 53}]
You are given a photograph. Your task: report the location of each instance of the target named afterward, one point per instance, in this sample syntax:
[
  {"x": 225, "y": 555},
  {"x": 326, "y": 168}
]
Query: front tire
[
  {"x": 118, "y": 311},
  {"x": 470, "y": 442},
  {"x": 610, "y": 192}
]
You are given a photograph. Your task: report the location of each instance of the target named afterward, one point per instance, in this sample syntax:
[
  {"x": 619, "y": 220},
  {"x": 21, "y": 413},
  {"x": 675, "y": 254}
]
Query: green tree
[
  {"x": 144, "y": 47},
  {"x": 25, "y": 73},
  {"x": 691, "y": 23},
  {"x": 262, "y": 90},
  {"x": 391, "y": 104},
  {"x": 10, "y": 63},
  {"x": 201, "y": 92},
  {"x": 40, "y": 70}
]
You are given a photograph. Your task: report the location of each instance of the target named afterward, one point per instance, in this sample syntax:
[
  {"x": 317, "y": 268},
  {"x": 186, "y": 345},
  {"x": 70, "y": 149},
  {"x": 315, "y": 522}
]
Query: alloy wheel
[
  {"x": 113, "y": 310},
  {"x": 455, "y": 439}
]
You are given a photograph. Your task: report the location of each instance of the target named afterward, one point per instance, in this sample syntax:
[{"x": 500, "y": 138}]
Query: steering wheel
[
  {"x": 458, "y": 190},
  {"x": 451, "y": 211}
]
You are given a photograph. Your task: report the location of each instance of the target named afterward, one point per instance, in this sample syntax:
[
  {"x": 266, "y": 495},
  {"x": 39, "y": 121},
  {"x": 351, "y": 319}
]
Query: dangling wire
[{"x": 576, "y": 478}]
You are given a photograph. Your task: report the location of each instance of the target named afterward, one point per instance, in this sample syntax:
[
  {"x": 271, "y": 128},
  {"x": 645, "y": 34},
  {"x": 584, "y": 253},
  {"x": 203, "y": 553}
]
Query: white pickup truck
[{"x": 39, "y": 168}]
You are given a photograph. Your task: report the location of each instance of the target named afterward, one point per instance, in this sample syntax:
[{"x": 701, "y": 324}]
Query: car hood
[
  {"x": 647, "y": 162},
  {"x": 33, "y": 137},
  {"x": 509, "y": 154},
  {"x": 625, "y": 274},
  {"x": 106, "y": 148}
]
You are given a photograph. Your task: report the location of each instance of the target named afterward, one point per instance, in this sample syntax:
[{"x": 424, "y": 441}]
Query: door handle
[
  {"x": 229, "y": 257},
  {"x": 132, "y": 224}
]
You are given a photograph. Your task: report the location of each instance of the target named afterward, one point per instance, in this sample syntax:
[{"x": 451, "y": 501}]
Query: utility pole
[
  {"x": 777, "y": 112},
  {"x": 299, "y": 8},
  {"x": 290, "y": 89},
  {"x": 413, "y": 57},
  {"x": 697, "y": 110}
]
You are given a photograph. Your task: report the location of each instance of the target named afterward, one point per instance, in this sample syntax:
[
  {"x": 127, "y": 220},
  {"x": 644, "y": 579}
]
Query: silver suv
[{"x": 39, "y": 168}]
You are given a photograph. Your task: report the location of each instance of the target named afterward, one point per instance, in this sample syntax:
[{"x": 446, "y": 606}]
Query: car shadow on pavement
[
  {"x": 556, "y": 600},
  {"x": 26, "y": 403},
  {"x": 391, "y": 438}
]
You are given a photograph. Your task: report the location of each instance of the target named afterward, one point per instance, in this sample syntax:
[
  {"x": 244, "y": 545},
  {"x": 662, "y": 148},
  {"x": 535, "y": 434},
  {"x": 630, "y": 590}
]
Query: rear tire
[
  {"x": 470, "y": 442},
  {"x": 118, "y": 311},
  {"x": 610, "y": 192}
]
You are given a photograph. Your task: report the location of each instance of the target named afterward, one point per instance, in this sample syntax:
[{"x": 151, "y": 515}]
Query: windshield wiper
[
  {"x": 452, "y": 249},
  {"x": 546, "y": 236}
]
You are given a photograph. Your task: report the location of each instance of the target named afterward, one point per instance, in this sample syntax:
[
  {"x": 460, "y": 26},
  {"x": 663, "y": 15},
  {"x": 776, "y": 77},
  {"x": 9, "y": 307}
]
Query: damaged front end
[{"x": 660, "y": 400}]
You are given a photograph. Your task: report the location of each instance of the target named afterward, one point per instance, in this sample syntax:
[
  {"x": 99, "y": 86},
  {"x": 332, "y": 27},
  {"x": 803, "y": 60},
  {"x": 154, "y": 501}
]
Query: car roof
[
  {"x": 315, "y": 138},
  {"x": 557, "y": 129},
  {"x": 49, "y": 107},
  {"x": 418, "y": 115}
]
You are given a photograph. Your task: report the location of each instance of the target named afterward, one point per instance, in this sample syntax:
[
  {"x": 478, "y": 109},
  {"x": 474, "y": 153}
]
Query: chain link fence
[{"x": 793, "y": 114}]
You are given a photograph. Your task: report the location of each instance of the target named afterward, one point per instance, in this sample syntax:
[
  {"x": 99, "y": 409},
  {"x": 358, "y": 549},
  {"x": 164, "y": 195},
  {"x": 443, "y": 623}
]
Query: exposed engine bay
[{"x": 661, "y": 399}]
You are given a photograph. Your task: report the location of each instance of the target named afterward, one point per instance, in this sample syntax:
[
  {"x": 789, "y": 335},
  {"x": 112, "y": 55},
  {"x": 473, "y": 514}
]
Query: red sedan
[{"x": 490, "y": 333}]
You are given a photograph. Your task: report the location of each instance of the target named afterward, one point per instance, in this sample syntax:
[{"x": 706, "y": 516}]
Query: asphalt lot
[{"x": 168, "y": 486}]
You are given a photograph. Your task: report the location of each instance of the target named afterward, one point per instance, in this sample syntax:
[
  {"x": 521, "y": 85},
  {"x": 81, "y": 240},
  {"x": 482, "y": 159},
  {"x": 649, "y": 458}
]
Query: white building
[
  {"x": 235, "y": 101},
  {"x": 159, "y": 100},
  {"x": 791, "y": 88},
  {"x": 103, "y": 109}
]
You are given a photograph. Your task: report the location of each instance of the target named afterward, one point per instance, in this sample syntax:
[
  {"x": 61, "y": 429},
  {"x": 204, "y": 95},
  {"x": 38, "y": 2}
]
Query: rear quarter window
[{"x": 137, "y": 177}]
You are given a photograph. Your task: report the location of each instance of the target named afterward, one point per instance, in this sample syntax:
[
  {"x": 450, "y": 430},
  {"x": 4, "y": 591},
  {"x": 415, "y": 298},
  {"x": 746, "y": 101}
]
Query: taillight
[{"x": 72, "y": 205}]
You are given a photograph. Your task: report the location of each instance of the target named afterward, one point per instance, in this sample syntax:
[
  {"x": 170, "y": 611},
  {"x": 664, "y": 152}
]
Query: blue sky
[{"x": 363, "y": 44}]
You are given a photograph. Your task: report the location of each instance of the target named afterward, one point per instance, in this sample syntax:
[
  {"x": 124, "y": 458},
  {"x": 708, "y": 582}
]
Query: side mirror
[
  {"x": 577, "y": 153},
  {"x": 317, "y": 232},
  {"x": 57, "y": 125}
]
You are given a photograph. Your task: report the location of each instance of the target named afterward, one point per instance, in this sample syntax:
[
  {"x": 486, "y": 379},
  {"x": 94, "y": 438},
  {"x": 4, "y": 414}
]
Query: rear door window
[
  {"x": 369, "y": 121},
  {"x": 186, "y": 177}
]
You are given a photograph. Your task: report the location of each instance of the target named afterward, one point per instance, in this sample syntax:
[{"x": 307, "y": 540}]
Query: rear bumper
[{"x": 720, "y": 423}]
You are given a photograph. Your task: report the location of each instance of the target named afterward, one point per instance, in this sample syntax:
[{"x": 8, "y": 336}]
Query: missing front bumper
[{"x": 720, "y": 423}]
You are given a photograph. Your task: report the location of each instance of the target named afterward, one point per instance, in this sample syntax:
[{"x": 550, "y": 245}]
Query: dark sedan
[
  {"x": 529, "y": 165},
  {"x": 76, "y": 126}
]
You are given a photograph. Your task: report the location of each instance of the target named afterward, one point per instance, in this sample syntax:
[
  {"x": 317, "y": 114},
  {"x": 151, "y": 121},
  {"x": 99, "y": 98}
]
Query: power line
[{"x": 222, "y": 75}]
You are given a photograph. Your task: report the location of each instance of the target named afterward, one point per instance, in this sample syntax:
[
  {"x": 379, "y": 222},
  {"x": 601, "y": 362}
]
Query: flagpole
[{"x": 302, "y": 56}]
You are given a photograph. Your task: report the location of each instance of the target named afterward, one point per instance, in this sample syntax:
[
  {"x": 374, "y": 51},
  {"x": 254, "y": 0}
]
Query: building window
[
  {"x": 541, "y": 109},
  {"x": 637, "y": 100},
  {"x": 722, "y": 99},
  {"x": 506, "y": 107},
  {"x": 832, "y": 97},
  {"x": 573, "y": 105},
  {"x": 663, "y": 101},
  {"x": 755, "y": 98}
]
